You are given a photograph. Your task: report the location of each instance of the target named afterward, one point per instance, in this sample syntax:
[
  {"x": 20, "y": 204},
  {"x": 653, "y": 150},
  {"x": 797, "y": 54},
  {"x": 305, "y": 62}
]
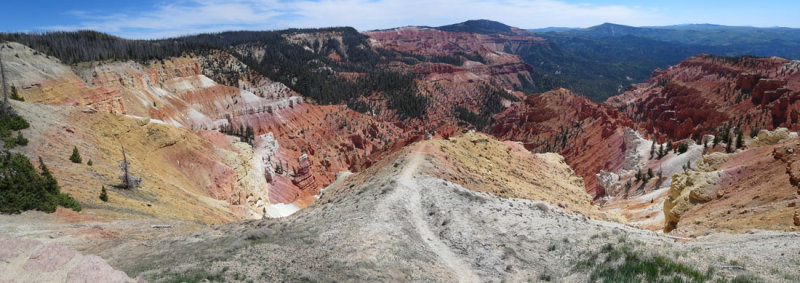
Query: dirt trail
[{"x": 407, "y": 185}]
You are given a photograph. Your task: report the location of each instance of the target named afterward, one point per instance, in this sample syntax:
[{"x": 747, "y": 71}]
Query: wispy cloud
[{"x": 195, "y": 16}]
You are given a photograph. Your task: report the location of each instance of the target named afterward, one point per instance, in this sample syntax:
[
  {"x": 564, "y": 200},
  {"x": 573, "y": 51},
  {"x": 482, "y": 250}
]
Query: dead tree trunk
[
  {"x": 128, "y": 181},
  {"x": 5, "y": 86},
  {"x": 124, "y": 165}
]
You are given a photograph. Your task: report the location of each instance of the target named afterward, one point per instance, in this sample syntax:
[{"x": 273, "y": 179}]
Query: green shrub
[
  {"x": 624, "y": 264},
  {"x": 754, "y": 132},
  {"x": 23, "y": 188},
  {"x": 75, "y": 157},
  {"x": 103, "y": 194},
  {"x": 10, "y": 123},
  {"x": 15, "y": 95},
  {"x": 683, "y": 147},
  {"x": 89, "y": 162},
  {"x": 11, "y": 142}
]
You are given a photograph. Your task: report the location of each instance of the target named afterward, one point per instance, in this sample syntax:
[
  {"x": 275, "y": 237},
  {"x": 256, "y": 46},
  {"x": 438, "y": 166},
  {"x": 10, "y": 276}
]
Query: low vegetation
[
  {"x": 622, "y": 263},
  {"x": 23, "y": 188},
  {"x": 9, "y": 123}
]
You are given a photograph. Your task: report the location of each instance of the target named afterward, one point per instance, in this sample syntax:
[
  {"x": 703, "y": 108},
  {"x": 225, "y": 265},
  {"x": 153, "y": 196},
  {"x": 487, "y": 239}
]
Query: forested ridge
[{"x": 312, "y": 74}]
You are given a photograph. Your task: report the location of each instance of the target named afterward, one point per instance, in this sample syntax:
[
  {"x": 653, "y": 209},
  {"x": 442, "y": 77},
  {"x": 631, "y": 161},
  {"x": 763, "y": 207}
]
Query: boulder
[{"x": 797, "y": 218}]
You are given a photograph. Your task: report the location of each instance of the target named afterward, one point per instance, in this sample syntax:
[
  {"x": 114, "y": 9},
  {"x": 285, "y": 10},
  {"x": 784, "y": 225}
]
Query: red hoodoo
[{"x": 304, "y": 179}]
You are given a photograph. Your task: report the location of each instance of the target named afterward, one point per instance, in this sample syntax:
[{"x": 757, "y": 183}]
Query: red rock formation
[
  {"x": 304, "y": 178},
  {"x": 589, "y": 135},
  {"x": 448, "y": 86},
  {"x": 702, "y": 93}
]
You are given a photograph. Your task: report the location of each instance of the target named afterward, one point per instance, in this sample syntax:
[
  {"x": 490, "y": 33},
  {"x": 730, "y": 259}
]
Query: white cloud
[{"x": 194, "y": 16}]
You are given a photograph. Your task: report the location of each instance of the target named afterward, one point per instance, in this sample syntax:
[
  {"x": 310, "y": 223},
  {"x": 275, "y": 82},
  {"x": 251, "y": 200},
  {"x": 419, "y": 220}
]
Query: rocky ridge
[{"x": 405, "y": 213}]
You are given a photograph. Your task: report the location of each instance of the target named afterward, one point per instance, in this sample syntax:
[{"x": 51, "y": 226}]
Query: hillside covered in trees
[{"x": 313, "y": 74}]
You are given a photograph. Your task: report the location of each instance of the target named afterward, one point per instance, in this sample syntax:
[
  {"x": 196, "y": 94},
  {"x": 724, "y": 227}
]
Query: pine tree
[
  {"x": 50, "y": 183},
  {"x": 649, "y": 173},
  {"x": 652, "y": 149},
  {"x": 728, "y": 147},
  {"x": 75, "y": 157},
  {"x": 103, "y": 194},
  {"x": 740, "y": 139}
]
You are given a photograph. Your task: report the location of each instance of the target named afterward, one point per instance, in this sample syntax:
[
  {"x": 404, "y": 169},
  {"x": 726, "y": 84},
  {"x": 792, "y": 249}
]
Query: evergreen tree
[
  {"x": 754, "y": 132},
  {"x": 50, "y": 183},
  {"x": 740, "y": 139},
  {"x": 649, "y": 173},
  {"x": 652, "y": 149},
  {"x": 728, "y": 147},
  {"x": 75, "y": 157}
]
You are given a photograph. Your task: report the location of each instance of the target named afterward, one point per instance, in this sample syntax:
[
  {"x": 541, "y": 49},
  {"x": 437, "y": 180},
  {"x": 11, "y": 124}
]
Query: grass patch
[
  {"x": 623, "y": 264},
  {"x": 193, "y": 275}
]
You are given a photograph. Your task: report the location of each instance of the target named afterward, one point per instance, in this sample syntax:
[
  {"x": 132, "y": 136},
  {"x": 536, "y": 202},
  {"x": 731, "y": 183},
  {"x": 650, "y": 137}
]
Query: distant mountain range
[
  {"x": 733, "y": 40},
  {"x": 601, "y": 60}
]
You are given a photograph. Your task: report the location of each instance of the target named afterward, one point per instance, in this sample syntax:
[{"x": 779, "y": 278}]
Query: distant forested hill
[{"x": 601, "y": 61}]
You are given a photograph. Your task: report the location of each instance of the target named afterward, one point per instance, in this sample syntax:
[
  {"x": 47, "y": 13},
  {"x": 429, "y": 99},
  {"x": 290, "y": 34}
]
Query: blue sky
[{"x": 158, "y": 18}]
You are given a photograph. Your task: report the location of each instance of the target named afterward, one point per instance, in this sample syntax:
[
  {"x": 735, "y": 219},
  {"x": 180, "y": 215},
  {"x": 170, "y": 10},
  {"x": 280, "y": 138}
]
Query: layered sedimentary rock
[
  {"x": 26, "y": 260},
  {"x": 210, "y": 93},
  {"x": 589, "y": 135},
  {"x": 706, "y": 92},
  {"x": 751, "y": 188},
  {"x": 472, "y": 66}
]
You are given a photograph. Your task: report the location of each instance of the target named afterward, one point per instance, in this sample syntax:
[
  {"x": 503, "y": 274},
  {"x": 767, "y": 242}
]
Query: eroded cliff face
[
  {"x": 704, "y": 92},
  {"x": 204, "y": 94},
  {"x": 184, "y": 176},
  {"x": 589, "y": 135},
  {"x": 460, "y": 69},
  {"x": 429, "y": 41},
  {"x": 751, "y": 188}
]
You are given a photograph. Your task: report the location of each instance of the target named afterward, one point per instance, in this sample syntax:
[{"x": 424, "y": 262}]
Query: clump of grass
[
  {"x": 746, "y": 278},
  {"x": 624, "y": 264},
  {"x": 194, "y": 275}
]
